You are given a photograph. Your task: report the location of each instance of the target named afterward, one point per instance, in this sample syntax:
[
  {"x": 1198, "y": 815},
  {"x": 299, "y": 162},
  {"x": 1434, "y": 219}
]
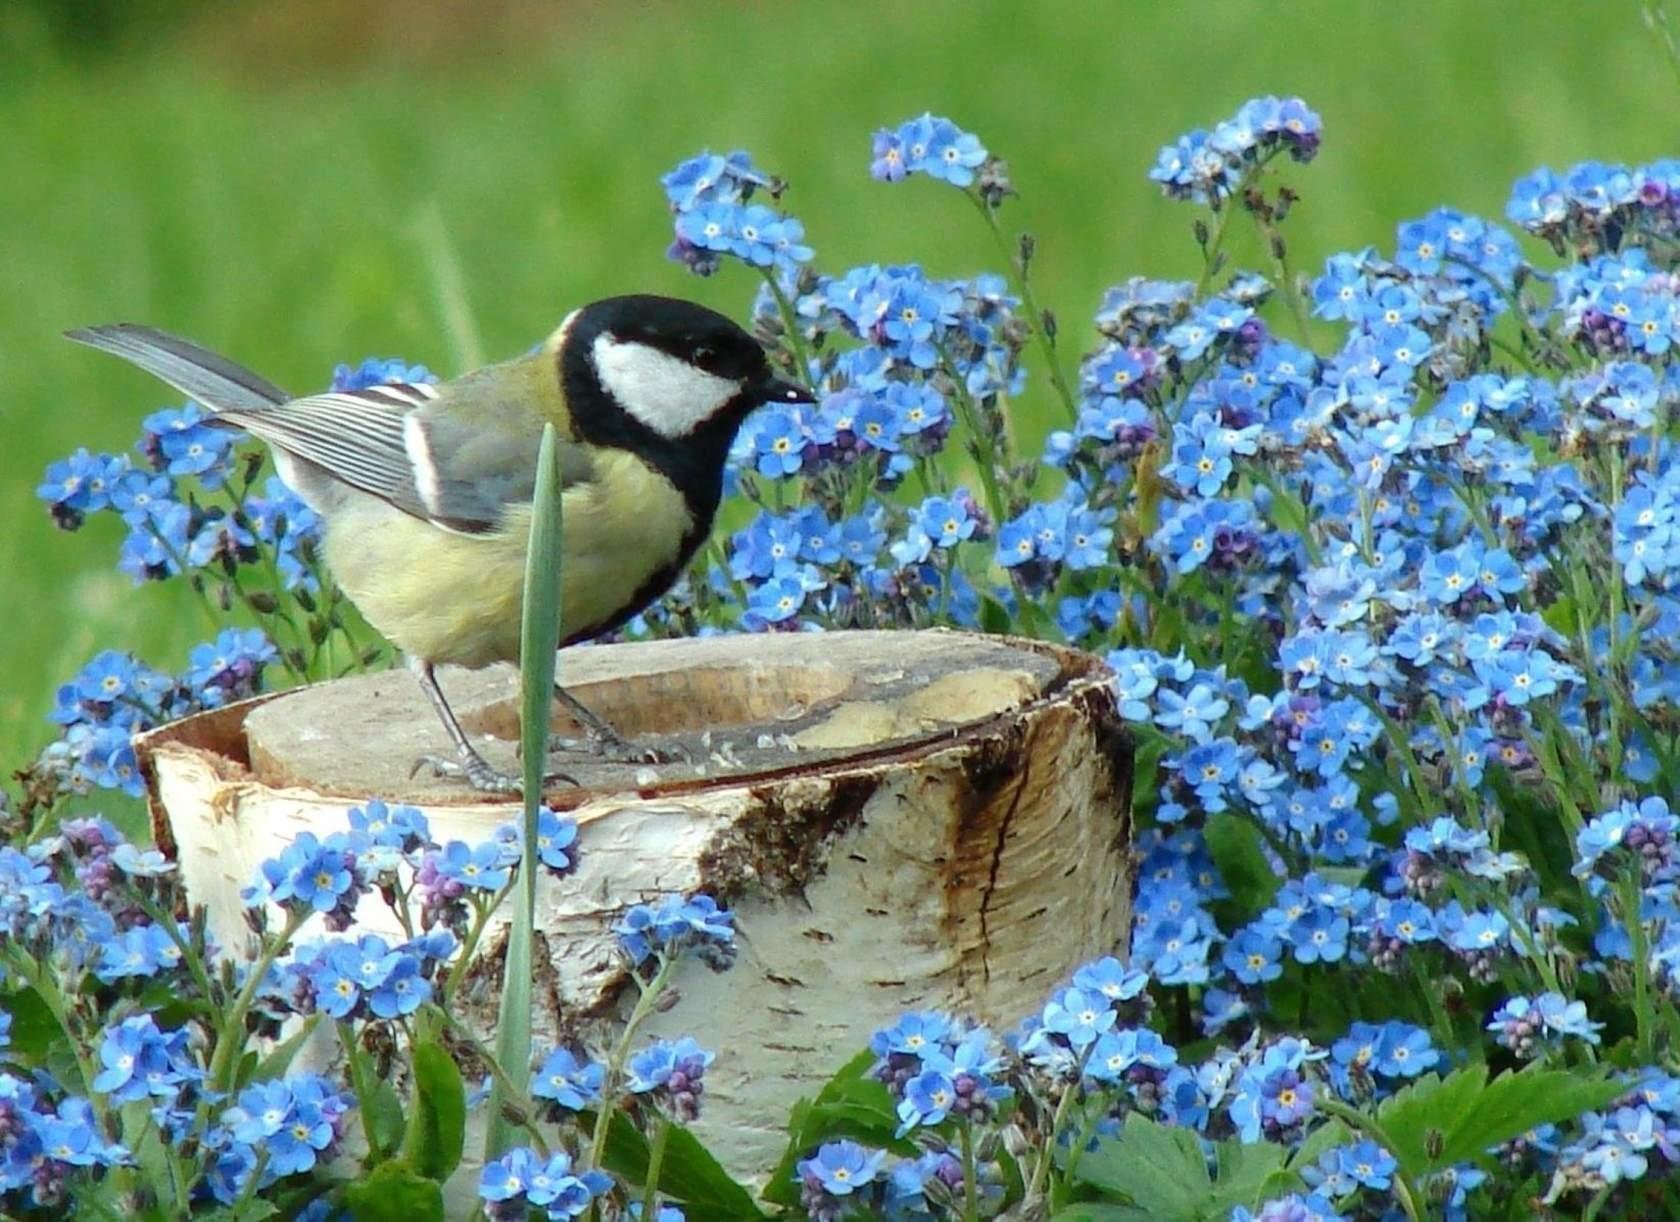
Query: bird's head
[{"x": 669, "y": 370}]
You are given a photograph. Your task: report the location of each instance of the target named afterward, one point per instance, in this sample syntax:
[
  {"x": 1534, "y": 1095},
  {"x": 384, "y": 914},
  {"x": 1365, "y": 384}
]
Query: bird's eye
[{"x": 703, "y": 355}]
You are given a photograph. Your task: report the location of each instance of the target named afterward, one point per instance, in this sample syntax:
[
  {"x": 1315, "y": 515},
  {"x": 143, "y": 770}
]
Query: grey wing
[
  {"x": 399, "y": 442},
  {"x": 470, "y": 465},
  {"x": 403, "y": 443}
]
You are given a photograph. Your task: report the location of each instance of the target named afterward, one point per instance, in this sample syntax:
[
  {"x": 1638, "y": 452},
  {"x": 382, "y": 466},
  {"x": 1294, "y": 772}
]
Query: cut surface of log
[{"x": 899, "y": 820}]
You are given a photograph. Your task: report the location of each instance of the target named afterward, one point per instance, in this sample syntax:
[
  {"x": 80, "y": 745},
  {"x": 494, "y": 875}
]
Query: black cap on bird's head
[{"x": 674, "y": 368}]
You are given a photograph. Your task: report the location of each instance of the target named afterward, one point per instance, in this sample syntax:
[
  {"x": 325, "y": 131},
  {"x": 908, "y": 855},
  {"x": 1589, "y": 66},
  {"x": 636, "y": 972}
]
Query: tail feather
[{"x": 198, "y": 373}]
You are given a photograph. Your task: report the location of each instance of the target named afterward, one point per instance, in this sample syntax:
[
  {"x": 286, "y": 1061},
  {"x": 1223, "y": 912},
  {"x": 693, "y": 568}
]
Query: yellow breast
[{"x": 456, "y": 598}]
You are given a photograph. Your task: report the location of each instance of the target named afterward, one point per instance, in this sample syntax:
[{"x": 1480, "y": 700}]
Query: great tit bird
[{"x": 425, "y": 490}]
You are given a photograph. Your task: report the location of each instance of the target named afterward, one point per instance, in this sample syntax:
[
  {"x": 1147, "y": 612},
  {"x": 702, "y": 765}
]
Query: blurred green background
[{"x": 295, "y": 183}]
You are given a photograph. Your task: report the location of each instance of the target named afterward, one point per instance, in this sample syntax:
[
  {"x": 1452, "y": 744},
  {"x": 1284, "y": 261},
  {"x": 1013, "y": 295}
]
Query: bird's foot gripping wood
[
  {"x": 602, "y": 741},
  {"x": 615, "y": 748},
  {"x": 477, "y": 770},
  {"x": 482, "y": 775}
]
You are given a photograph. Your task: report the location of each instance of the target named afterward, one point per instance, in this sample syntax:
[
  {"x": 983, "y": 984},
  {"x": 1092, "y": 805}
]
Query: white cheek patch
[{"x": 668, "y": 395}]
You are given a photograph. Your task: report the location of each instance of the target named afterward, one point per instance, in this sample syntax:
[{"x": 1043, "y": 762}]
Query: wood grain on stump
[{"x": 900, "y": 820}]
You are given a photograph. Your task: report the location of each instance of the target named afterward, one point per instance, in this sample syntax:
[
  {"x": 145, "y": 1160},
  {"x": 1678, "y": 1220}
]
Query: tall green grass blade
[{"x": 539, "y": 635}]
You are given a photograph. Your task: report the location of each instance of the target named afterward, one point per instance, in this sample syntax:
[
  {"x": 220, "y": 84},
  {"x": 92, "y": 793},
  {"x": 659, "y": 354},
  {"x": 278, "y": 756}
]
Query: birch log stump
[{"x": 899, "y": 820}]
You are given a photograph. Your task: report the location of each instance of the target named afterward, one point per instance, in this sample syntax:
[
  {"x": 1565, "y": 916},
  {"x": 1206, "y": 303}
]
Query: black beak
[{"x": 777, "y": 391}]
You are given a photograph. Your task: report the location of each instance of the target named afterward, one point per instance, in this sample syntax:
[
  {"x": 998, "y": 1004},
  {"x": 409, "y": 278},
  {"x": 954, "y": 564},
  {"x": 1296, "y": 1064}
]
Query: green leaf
[
  {"x": 1428, "y": 1106},
  {"x": 1156, "y": 1167},
  {"x": 1464, "y": 1113},
  {"x": 1245, "y": 1172},
  {"x": 246, "y": 1069},
  {"x": 539, "y": 637},
  {"x": 1014, "y": 1182},
  {"x": 394, "y": 1192},
  {"x": 852, "y": 1105},
  {"x": 994, "y": 617},
  {"x": 1102, "y": 1211},
  {"x": 689, "y": 1174},
  {"x": 437, "y": 1120},
  {"x": 249, "y": 1211},
  {"x": 1238, "y": 850},
  {"x": 1514, "y": 1103},
  {"x": 34, "y": 1029},
  {"x": 383, "y": 1122}
]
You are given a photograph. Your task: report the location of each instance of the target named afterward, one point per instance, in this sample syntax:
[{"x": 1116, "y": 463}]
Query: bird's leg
[
  {"x": 599, "y": 738},
  {"x": 478, "y": 771}
]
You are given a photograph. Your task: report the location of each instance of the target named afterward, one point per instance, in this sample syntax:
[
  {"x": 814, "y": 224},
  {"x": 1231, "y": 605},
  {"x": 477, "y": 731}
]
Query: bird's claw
[
  {"x": 481, "y": 775},
  {"x": 610, "y": 745}
]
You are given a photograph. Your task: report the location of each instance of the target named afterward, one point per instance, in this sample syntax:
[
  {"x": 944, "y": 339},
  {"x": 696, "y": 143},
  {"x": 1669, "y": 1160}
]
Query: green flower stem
[
  {"x": 1437, "y": 1013},
  {"x": 621, "y": 1053},
  {"x": 1082, "y": 1138},
  {"x": 1269, "y": 237},
  {"x": 985, "y": 455},
  {"x": 971, "y": 1177},
  {"x": 40, "y": 976},
  {"x": 1644, "y": 1019},
  {"x": 362, "y": 1088},
  {"x": 248, "y": 1194},
  {"x": 790, "y": 320},
  {"x": 1035, "y": 317},
  {"x": 656, "y": 1161},
  {"x": 1041, "y": 1173},
  {"x": 1210, "y": 254},
  {"x": 195, "y": 965},
  {"x": 1417, "y": 791},
  {"x": 1531, "y": 948},
  {"x": 229, "y": 1039},
  {"x": 469, "y": 945},
  {"x": 197, "y": 587}
]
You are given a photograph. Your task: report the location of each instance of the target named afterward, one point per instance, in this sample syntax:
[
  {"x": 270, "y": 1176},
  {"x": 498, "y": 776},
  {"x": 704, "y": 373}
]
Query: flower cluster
[
  {"x": 115, "y": 696},
  {"x": 711, "y": 199},
  {"x": 663, "y": 930},
  {"x": 1385, "y": 563},
  {"x": 1210, "y": 167},
  {"x": 522, "y": 1180},
  {"x": 936, "y": 1066}
]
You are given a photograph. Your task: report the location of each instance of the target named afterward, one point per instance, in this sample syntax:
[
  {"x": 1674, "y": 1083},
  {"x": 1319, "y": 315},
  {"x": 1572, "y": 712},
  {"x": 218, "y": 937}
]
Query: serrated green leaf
[
  {"x": 394, "y": 1192},
  {"x": 1156, "y": 1167},
  {"x": 1238, "y": 849},
  {"x": 688, "y": 1174},
  {"x": 1514, "y": 1103},
  {"x": 437, "y": 1120},
  {"x": 1428, "y": 1106}
]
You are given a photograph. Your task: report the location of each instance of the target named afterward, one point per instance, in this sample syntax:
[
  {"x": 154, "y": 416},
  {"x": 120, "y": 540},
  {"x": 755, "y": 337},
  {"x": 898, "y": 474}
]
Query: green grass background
[{"x": 290, "y": 183}]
